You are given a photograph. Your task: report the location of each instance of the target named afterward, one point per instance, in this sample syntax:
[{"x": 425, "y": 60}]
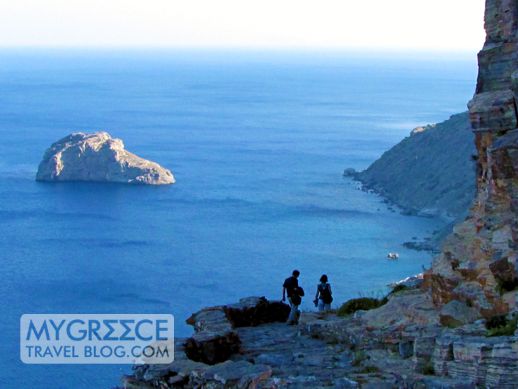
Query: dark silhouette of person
[
  {"x": 324, "y": 296},
  {"x": 294, "y": 292}
]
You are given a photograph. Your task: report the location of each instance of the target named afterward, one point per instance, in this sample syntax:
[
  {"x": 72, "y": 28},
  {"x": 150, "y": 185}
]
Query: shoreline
[{"x": 430, "y": 243}]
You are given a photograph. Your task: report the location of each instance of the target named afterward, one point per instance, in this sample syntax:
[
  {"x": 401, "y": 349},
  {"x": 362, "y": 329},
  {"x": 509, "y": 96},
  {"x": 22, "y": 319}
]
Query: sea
[{"x": 258, "y": 142}]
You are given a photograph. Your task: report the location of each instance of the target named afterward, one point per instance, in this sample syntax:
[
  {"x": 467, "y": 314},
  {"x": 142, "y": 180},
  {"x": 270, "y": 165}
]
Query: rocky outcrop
[
  {"x": 479, "y": 262},
  {"x": 405, "y": 343},
  {"x": 211, "y": 358},
  {"x": 478, "y": 360},
  {"x": 101, "y": 158},
  {"x": 400, "y": 345},
  {"x": 215, "y": 339},
  {"x": 185, "y": 373},
  {"x": 456, "y": 314}
]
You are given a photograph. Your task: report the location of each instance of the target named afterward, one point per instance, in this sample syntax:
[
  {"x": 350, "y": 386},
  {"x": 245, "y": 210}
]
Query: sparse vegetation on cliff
[
  {"x": 362, "y": 303},
  {"x": 501, "y": 326}
]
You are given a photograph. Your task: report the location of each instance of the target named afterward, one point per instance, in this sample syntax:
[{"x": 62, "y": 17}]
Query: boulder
[
  {"x": 456, "y": 313},
  {"x": 406, "y": 309},
  {"x": 101, "y": 158},
  {"x": 213, "y": 319},
  {"x": 248, "y": 312},
  {"x": 212, "y": 347},
  {"x": 215, "y": 340},
  {"x": 253, "y": 311}
]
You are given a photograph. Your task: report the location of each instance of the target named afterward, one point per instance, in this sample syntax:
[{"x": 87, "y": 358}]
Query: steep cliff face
[{"x": 478, "y": 264}]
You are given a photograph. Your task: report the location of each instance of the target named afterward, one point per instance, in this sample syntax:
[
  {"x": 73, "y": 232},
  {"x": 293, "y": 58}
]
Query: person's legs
[
  {"x": 292, "y": 318},
  {"x": 327, "y": 307},
  {"x": 321, "y": 305}
]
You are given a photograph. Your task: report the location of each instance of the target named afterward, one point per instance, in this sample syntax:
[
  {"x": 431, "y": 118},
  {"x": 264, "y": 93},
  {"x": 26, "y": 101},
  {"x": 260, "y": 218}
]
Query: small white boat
[{"x": 393, "y": 256}]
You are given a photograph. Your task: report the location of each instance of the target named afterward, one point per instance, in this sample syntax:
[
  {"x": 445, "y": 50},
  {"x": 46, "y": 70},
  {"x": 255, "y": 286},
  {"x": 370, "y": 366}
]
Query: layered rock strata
[
  {"x": 479, "y": 262},
  {"x": 400, "y": 345}
]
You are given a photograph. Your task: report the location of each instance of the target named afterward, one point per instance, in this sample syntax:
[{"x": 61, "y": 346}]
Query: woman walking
[{"x": 324, "y": 296}]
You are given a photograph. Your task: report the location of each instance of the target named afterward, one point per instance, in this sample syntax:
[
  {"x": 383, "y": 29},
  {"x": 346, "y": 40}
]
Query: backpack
[
  {"x": 296, "y": 298},
  {"x": 291, "y": 285},
  {"x": 325, "y": 293}
]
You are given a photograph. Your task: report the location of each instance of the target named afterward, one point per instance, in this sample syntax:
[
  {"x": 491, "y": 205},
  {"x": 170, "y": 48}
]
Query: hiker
[
  {"x": 295, "y": 293},
  {"x": 324, "y": 296}
]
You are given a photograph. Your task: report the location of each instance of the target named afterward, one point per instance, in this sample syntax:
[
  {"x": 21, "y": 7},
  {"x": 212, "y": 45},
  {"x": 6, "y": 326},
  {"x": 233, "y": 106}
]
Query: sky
[{"x": 444, "y": 25}]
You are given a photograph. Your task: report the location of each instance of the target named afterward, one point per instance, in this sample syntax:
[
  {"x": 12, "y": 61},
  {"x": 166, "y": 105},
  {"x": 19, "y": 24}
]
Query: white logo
[{"x": 96, "y": 339}]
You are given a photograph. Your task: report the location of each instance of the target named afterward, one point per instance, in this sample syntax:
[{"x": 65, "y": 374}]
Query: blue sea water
[{"x": 257, "y": 142}]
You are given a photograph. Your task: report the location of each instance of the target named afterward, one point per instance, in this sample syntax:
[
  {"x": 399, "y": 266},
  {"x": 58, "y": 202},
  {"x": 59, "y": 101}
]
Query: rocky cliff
[
  {"x": 479, "y": 262},
  {"x": 98, "y": 157},
  {"x": 430, "y": 172},
  {"x": 458, "y": 329},
  {"x": 400, "y": 345}
]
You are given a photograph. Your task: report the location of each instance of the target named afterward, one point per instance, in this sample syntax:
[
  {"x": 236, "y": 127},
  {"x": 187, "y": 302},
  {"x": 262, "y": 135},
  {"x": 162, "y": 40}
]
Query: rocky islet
[{"x": 98, "y": 157}]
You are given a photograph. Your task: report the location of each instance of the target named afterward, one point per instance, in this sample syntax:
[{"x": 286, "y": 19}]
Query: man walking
[{"x": 291, "y": 288}]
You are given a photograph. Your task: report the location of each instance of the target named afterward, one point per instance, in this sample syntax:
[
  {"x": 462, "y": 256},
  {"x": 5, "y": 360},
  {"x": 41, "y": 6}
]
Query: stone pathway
[
  {"x": 399, "y": 345},
  {"x": 296, "y": 360},
  {"x": 249, "y": 345}
]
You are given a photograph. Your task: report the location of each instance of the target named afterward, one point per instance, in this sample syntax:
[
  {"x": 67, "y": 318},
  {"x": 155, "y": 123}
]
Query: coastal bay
[{"x": 258, "y": 148}]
